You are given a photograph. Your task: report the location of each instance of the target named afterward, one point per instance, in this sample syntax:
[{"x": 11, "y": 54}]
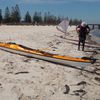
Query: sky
[{"x": 87, "y": 10}]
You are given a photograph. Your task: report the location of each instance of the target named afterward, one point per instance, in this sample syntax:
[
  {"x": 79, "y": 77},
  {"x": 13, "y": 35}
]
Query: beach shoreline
[{"x": 23, "y": 78}]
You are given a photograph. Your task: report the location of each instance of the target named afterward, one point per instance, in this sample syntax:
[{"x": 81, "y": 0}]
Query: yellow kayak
[{"x": 61, "y": 59}]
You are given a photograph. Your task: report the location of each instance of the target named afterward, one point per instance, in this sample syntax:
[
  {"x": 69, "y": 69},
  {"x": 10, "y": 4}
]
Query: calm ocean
[{"x": 95, "y": 35}]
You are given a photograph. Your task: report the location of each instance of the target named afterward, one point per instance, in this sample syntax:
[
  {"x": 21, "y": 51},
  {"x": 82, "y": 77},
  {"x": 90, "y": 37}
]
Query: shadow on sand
[{"x": 70, "y": 66}]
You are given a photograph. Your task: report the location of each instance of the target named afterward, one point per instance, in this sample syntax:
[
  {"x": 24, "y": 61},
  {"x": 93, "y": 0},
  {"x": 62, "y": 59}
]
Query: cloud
[
  {"x": 45, "y": 1},
  {"x": 89, "y": 0},
  {"x": 55, "y": 1}
]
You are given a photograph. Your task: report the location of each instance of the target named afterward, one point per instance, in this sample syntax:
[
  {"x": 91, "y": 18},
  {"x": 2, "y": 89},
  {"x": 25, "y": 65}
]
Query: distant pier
[{"x": 93, "y": 26}]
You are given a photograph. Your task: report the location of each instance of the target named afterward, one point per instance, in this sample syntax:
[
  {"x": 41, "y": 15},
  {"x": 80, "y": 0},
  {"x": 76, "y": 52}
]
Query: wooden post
[
  {"x": 99, "y": 26},
  {"x": 93, "y": 26}
]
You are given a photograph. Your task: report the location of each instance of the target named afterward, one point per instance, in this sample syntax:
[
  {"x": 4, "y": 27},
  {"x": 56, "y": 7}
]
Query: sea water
[{"x": 95, "y": 35}]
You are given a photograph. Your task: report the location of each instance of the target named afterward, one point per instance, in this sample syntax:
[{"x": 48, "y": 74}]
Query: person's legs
[
  {"x": 83, "y": 44},
  {"x": 79, "y": 44}
]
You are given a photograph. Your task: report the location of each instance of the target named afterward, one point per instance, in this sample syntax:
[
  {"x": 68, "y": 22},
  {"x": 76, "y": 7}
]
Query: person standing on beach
[{"x": 83, "y": 30}]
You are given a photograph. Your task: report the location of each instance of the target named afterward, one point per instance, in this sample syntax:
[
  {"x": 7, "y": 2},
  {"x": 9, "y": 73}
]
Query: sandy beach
[{"x": 23, "y": 78}]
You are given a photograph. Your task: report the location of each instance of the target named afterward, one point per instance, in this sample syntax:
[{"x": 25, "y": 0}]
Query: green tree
[
  {"x": 75, "y": 21},
  {"x": 37, "y": 19},
  {"x": 58, "y": 20},
  {"x": 7, "y": 15},
  {"x": 27, "y": 18},
  {"x": 45, "y": 18},
  {"x": 0, "y": 16},
  {"x": 40, "y": 18},
  {"x": 50, "y": 19},
  {"x": 15, "y": 14},
  {"x": 70, "y": 22}
]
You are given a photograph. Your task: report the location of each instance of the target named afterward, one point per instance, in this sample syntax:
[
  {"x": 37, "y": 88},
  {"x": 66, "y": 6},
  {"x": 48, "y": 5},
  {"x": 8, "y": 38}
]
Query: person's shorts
[{"x": 82, "y": 40}]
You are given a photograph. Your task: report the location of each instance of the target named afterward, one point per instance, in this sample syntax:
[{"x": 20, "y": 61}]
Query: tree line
[{"x": 13, "y": 16}]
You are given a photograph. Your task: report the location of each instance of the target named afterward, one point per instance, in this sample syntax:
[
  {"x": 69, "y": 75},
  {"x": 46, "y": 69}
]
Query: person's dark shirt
[{"x": 83, "y": 31}]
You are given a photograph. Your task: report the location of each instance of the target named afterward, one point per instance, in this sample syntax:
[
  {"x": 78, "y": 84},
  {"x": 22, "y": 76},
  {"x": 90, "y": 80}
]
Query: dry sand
[{"x": 23, "y": 78}]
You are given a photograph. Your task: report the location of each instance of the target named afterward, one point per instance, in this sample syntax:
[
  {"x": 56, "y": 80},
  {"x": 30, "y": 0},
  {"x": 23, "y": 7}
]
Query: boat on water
[{"x": 55, "y": 58}]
